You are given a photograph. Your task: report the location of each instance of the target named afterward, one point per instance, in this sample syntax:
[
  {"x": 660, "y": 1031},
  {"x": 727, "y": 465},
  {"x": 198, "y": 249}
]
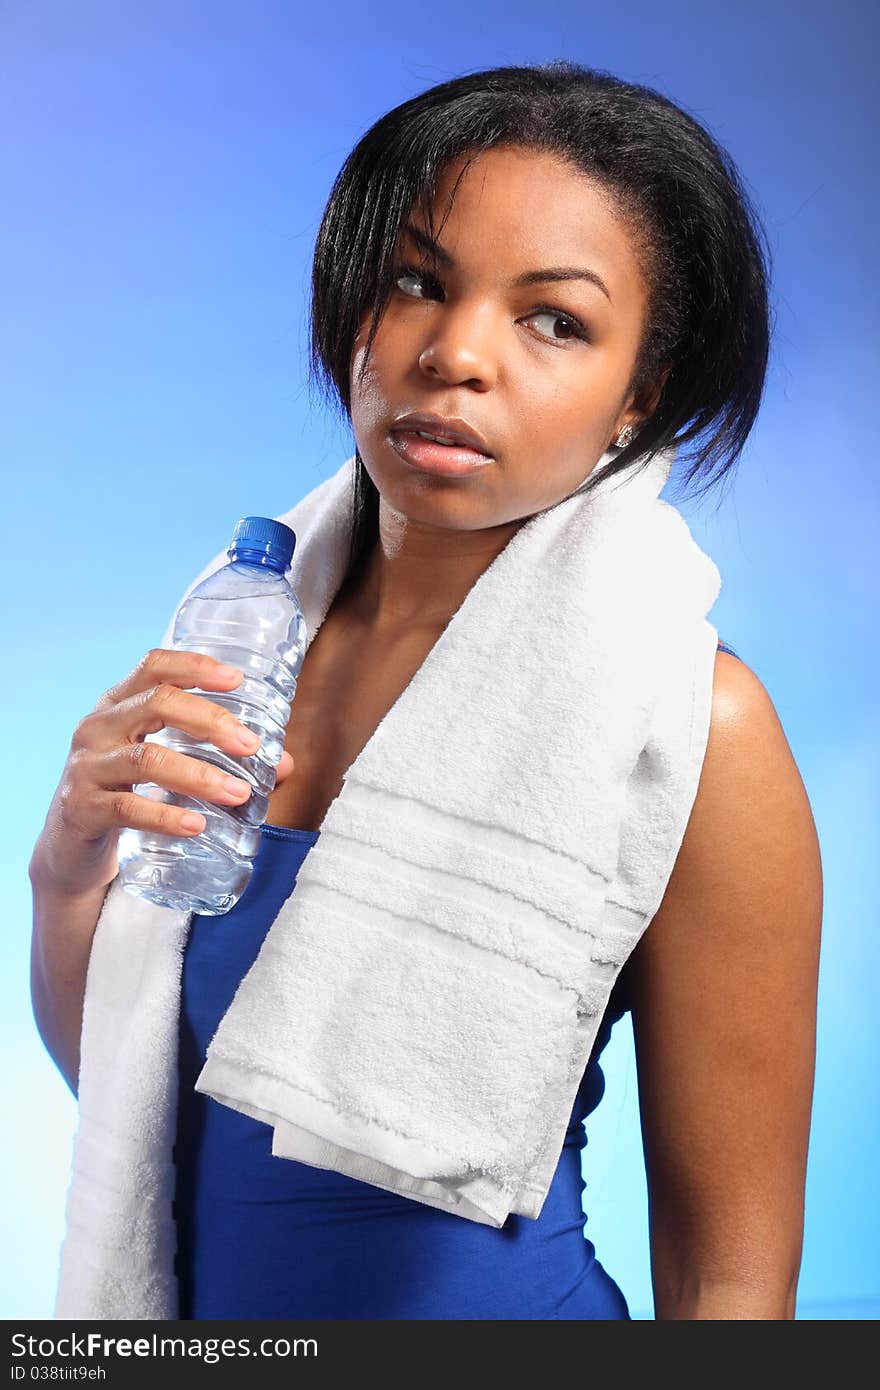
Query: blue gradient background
[{"x": 164, "y": 169}]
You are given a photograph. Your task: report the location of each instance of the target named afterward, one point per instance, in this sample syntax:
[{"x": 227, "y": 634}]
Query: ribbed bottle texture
[{"x": 247, "y": 615}]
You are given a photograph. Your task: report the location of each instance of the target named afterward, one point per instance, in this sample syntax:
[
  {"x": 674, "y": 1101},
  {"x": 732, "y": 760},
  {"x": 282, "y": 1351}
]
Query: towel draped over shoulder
[{"x": 424, "y": 1003}]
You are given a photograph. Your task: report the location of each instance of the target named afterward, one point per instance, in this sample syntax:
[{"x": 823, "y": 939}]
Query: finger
[
  {"x": 284, "y": 767},
  {"x": 188, "y": 670},
  {"x": 165, "y": 706},
  {"x": 125, "y": 766},
  {"x": 127, "y": 808}
]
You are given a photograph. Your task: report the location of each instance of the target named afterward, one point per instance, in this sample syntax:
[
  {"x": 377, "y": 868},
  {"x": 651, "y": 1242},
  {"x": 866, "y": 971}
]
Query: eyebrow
[{"x": 550, "y": 274}]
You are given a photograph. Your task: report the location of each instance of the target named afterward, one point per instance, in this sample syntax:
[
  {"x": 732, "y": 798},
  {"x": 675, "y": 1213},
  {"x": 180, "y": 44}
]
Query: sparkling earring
[{"x": 626, "y": 436}]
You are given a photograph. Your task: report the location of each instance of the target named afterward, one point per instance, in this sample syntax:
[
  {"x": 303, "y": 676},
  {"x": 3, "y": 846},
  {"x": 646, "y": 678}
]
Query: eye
[
  {"x": 411, "y": 272},
  {"x": 577, "y": 329}
]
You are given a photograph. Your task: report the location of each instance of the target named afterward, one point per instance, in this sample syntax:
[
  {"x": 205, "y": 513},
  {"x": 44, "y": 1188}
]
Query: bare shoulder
[
  {"x": 723, "y": 989},
  {"x": 744, "y": 718},
  {"x": 748, "y": 757},
  {"x": 751, "y": 814},
  {"x": 750, "y": 853}
]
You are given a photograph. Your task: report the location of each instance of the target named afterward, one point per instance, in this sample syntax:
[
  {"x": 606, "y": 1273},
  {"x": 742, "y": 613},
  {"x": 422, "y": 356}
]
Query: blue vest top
[{"x": 264, "y": 1237}]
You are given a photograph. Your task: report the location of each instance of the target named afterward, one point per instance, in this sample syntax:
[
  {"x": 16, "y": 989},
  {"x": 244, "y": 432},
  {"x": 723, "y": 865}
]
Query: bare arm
[
  {"x": 74, "y": 860},
  {"x": 723, "y": 987},
  {"x": 61, "y": 943}
]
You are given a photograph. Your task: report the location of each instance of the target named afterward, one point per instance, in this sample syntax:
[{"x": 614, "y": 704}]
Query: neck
[{"x": 418, "y": 575}]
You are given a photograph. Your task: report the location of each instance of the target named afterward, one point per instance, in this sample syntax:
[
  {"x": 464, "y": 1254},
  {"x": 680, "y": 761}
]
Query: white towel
[{"x": 423, "y": 1006}]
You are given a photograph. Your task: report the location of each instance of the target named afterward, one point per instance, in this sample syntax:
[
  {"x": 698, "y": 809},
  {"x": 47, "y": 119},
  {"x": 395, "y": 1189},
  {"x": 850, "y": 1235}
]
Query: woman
[{"x": 539, "y": 264}]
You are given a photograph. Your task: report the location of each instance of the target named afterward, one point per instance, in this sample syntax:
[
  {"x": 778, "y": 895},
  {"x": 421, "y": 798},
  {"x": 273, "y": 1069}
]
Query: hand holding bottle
[{"x": 94, "y": 801}]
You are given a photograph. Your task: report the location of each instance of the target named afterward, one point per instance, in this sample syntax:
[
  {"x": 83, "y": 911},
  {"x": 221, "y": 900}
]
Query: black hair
[{"x": 699, "y": 242}]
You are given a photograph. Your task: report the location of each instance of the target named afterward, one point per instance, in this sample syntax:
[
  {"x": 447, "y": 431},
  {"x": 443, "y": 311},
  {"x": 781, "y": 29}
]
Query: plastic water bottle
[{"x": 247, "y": 615}]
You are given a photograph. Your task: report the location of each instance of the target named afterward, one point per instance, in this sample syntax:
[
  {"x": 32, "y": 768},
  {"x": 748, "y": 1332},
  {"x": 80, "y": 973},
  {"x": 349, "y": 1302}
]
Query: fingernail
[
  {"x": 227, "y": 673},
  {"x": 236, "y": 786}
]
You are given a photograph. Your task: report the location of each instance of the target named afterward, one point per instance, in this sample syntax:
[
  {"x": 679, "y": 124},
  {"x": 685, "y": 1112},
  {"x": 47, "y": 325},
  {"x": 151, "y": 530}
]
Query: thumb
[{"x": 284, "y": 767}]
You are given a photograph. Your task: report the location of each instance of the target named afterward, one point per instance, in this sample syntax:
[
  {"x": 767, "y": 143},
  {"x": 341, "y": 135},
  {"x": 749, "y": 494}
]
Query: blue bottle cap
[{"x": 265, "y": 539}]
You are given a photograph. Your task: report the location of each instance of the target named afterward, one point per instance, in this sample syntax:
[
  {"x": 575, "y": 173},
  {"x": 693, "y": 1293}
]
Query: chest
[{"x": 348, "y": 682}]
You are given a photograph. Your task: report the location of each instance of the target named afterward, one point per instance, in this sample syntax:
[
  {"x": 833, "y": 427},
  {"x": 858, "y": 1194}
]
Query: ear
[
  {"x": 644, "y": 406},
  {"x": 647, "y": 404}
]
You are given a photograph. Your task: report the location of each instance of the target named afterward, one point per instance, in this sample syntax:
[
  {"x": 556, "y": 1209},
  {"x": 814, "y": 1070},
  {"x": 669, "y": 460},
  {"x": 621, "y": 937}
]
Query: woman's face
[{"x": 539, "y": 369}]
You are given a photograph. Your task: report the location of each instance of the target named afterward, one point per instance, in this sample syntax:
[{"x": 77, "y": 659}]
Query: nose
[{"x": 460, "y": 348}]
